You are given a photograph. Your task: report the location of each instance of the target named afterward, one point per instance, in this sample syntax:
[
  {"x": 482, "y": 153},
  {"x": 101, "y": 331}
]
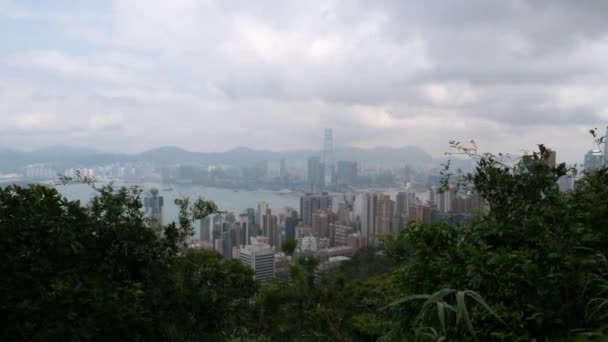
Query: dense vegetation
[
  {"x": 531, "y": 267},
  {"x": 99, "y": 272}
]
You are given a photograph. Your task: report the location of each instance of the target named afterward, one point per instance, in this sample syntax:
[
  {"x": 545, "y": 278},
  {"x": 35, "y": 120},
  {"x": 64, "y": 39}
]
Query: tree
[
  {"x": 100, "y": 272},
  {"x": 530, "y": 255},
  {"x": 289, "y": 246}
]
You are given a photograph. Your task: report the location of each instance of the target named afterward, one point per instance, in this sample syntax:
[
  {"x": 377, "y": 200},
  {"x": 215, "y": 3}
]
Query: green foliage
[
  {"x": 289, "y": 246},
  {"x": 447, "y": 313},
  {"x": 530, "y": 255},
  {"x": 100, "y": 272}
]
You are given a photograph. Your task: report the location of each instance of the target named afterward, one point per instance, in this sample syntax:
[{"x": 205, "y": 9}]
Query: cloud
[
  {"x": 106, "y": 122},
  {"x": 211, "y": 75},
  {"x": 61, "y": 64}
]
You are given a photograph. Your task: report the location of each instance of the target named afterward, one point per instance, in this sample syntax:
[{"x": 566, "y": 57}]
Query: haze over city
[{"x": 131, "y": 75}]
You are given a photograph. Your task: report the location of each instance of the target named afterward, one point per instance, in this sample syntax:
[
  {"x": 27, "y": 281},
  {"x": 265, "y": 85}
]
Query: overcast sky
[{"x": 127, "y": 75}]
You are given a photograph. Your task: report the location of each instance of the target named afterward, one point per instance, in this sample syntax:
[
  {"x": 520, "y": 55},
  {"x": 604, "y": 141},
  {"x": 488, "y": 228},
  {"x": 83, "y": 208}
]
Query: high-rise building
[
  {"x": 308, "y": 243},
  {"x": 344, "y": 213},
  {"x": 262, "y": 208},
  {"x": 281, "y": 265},
  {"x": 384, "y": 214},
  {"x": 153, "y": 205},
  {"x": 328, "y": 156},
  {"x": 227, "y": 241},
  {"x": 594, "y": 160},
  {"x": 398, "y": 222},
  {"x": 433, "y": 195},
  {"x": 339, "y": 234},
  {"x": 291, "y": 222},
  {"x": 260, "y": 257},
  {"x": 368, "y": 217},
  {"x": 420, "y": 213},
  {"x": 251, "y": 222},
  {"x": 206, "y": 228},
  {"x": 269, "y": 228},
  {"x": 354, "y": 241},
  {"x": 320, "y": 223},
  {"x": 444, "y": 199},
  {"x": 403, "y": 201},
  {"x": 551, "y": 158},
  {"x": 309, "y": 203},
  {"x": 316, "y": 173},
  {"x": 347, "y": 173},
  {"x": 566, "y": 183}
]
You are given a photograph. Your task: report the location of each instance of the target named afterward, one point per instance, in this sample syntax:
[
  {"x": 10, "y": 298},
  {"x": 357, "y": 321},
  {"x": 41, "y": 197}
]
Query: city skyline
[{"x": 129, "y": 75}]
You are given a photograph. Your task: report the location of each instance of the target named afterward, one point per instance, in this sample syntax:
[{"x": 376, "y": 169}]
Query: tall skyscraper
[
  {"x": 270, "y": 228},
  {"x": 594, "y": 160},
  {"x": 347, "y": 173},
  {"x": 551, "y": 158},
  {"x": 291, "y": 222},
  {"x": 260, "y": 258},
  {"x": 403, "y": 201},
  {"x": 368, "y": 217},
  {"x": 316, "y": 173},
  {"x": 444, "y": 199},
  {"x": 420, "y": 212},
  {"x": 384, "y": 214},
  {"x": 206, "y": 228},
  {"x": 344, "y": 213},
  {"x": 309, "y": 203},
  {"x": 153, "y": 205},
  {"x": 328, "y": 156},
  {"x": 320, "y": 223},
  {"x": 262, "y": 207}
]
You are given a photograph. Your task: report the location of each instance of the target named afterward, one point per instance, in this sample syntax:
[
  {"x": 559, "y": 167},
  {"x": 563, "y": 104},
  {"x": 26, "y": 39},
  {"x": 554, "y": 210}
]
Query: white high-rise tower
[{"x": 328, "y": 156}]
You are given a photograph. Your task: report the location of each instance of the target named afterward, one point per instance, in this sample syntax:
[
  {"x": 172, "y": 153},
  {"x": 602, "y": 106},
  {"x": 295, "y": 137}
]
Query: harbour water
[{"x": 229, "y": 200}]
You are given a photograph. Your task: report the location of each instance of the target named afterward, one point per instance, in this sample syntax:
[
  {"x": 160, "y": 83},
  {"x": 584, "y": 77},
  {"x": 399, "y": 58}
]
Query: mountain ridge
[{"x": 238, "y": 156}]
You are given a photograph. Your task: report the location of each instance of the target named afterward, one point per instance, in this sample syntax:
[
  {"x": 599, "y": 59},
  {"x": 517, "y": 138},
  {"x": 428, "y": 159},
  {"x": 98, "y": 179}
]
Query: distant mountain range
[{"x": 240, "y": 156}]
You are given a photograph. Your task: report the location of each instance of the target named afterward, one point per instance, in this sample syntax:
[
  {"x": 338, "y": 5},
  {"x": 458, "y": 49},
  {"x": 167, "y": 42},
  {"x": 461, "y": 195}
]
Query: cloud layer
[{"x": 211, "y": 75}]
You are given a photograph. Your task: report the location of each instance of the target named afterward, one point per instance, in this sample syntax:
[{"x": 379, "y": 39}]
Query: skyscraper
[
  {"x": 343, "y": 213},
  {"x": 205, "y": 228},
  {"x": 262, "y": 207},
  {"x": 594, "y": 160},
  {"x": 320, "y": 223},
  {"x": 551, "y": 158},
  {"x": 309, "y": 203},
  {"x": 368, "y": 217},
  {"x": 291, "y": 223},
  {"x": 153, "y": 205},
  {"x": 328, "y": 156},
  {"x": 316, "y": 170},
  {"x": 270, "y": 228},
  {"x": 384, "y": 214},
  {"x": 403, "y": 201},
  {"x": 347, "y": 173},
  {"x": 444, "y": 199},
  {"x": 260, "y": 258}
]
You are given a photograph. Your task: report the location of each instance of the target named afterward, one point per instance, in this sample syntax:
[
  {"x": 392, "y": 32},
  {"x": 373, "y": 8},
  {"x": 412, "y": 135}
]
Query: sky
[{"x": 129, "y": 75}]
